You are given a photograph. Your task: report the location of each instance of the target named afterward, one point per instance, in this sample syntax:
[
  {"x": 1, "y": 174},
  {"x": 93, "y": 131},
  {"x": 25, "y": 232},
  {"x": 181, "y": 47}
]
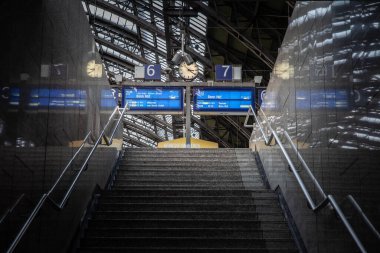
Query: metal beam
[
  {"x": 117, "y": 60},
  {"x": 130, "y": 124},
  {"x": 229, "y": 28},
  {"x": 191, "y": 84},
  {"x": 121, "y": 50},
  {"x": 241, "y": 129},
  {"x": 122, "y": 32},
  {"x": 128, "y": 138},
  {"x": 138, "y": 21},
  {"x": 210, "y": 131},
  {"x": 153, "y": 119}
]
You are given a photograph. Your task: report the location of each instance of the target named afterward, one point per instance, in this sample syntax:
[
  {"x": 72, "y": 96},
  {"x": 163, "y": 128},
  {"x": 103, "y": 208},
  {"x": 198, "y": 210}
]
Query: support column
[{"x": 188, "y": 116}]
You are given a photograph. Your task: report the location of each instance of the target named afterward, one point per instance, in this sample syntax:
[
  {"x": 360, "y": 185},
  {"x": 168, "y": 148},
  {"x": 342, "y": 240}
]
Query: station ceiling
[{"x": 137, "y": 32}]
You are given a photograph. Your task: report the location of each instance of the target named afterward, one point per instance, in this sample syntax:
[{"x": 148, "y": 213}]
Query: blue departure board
[
  {"x": 213, "y": 100},
  {"x": 322, "y": 99},
  {"x": 154, "y": 99},
  {"x": 108, "y": 99},
  {"x": 57, "y": 98}
]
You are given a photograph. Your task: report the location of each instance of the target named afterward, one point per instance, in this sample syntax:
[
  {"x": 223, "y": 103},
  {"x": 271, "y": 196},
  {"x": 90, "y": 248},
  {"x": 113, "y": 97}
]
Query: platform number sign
[
  {"x": 223, "y": 72},
  {"x": 152, "y": 72}
]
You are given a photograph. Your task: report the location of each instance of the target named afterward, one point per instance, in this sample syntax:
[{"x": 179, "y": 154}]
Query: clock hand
[{"x": 191, "y": 70}]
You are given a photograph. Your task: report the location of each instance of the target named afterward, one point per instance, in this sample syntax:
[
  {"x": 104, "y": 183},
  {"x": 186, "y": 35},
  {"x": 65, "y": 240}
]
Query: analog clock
[
  {"x": 93, "y": 69},
  {"x": 188, "y": 72}
]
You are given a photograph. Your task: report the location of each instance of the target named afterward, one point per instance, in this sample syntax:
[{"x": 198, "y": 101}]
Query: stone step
[
  {"x": 188, "y": 199},
  {"x": 159, "y": 187},
  {"x": 274, "y": 216},
  {"x": 187, "y": 177},
  {"x": 185, "y": 173},
  {"x": 187, "y": 155},
  {"x": 226, "y": 193},
  {"x": 185, "y": 223},
  {"x": 191, "y": 232},
  {"x": 257, "y": 207},
  {"x": 186, "y": 159},
  {"x": 183, "y": 250},
  {"x": 179, "y": 181},
  {"x": 190, "y": 162},
  {"x": 158, "y": 167},
  {"x": 187, "y": 242}
]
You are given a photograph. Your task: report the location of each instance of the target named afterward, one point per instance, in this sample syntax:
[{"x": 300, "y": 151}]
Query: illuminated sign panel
[
  {"x": 108, "y": 99},
  {"x": 154, "y": 100},
  {"x": 212, "y": 100},
  {"x": 152, "y": 72},
  {"x": 57, "y": 98},
  {"x": 322, "y": 99},
  {"x": 223, "y": 72}
]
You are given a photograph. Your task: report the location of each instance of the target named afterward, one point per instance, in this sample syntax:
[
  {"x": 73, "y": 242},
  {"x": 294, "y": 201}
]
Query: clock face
[
  {"x": 188, "y": 72},
  {"x": 93, "y": 69}
]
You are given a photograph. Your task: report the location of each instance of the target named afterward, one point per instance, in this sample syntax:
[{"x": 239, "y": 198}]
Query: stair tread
[{"x": 188, "y": 200}]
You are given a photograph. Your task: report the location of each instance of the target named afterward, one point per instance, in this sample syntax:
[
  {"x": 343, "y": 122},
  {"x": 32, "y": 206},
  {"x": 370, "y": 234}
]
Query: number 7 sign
[{"x": 223, "y": 72}]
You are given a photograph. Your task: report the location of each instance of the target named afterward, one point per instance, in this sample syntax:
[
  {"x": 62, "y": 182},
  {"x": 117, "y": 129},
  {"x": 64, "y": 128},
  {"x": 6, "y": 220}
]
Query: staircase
[{"x": 198, "y": 200}]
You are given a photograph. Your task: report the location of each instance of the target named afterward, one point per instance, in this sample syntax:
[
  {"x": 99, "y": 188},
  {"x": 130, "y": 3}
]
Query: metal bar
[
  {"x": 188, "y": 118},
  {"x": 46, "y": 196},
  {"x": 328, "y": 199},
  {"x": 311, "y": 175},
  {"x": 68, "y": 193},
  {"x": 293, "y": 168},
  {"x": 27, "y": 224},
  {"x": 10, "y": 210},
  {"x": 260, "y": 126},
  {"x": 364, "y": 216},
  {"x": 68, "y": 164},
  {"x": 346, "y": 223},
  {"x": 117, "y": 124},
  {"x": 191, "y": 84}
]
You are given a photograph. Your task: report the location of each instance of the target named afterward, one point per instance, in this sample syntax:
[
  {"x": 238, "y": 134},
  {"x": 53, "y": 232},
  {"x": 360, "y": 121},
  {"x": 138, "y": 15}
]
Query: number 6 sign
[{"x": 152, "y": 72}]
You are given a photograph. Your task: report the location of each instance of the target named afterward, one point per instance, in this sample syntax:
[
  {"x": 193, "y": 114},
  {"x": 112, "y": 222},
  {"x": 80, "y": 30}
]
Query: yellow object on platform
[{"x": 181, "y": 143}]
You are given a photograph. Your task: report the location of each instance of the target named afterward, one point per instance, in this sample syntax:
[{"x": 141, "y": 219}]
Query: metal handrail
[
  {"x": 363, "y": 216},
  {"x": 328, "y": 199},
  {"x": 46, "y": 196},
  {"x": 10, "y": 210}
]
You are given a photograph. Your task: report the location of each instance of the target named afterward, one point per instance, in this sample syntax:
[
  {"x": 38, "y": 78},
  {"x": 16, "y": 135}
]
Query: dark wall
[
  {"x": 48, "y": 103},
  {"x": 324, "y": 91}
]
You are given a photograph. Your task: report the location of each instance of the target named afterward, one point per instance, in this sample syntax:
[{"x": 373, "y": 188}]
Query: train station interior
[{"x": 190, "y": 126}]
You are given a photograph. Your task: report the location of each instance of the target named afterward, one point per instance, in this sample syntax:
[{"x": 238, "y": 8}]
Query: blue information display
[
  {"x": 57, "y": 98},
  {"x": 322, "y": 99},
  {"x": 108, "y": 98},
  {"x": 154, "y": 99},
  {"x": 223, "y": 72},
  {"x": 212, "y": 100},
  {"x": 152, "y": 72},
  {"x": 14, "y": 96}
]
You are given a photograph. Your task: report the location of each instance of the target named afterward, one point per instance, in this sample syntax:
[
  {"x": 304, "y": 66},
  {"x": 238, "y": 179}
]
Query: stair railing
[
  {"x": 327, "y": 198},
  {"x": 11, "y": 209},
  {"x": 61, "y": 205}
]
